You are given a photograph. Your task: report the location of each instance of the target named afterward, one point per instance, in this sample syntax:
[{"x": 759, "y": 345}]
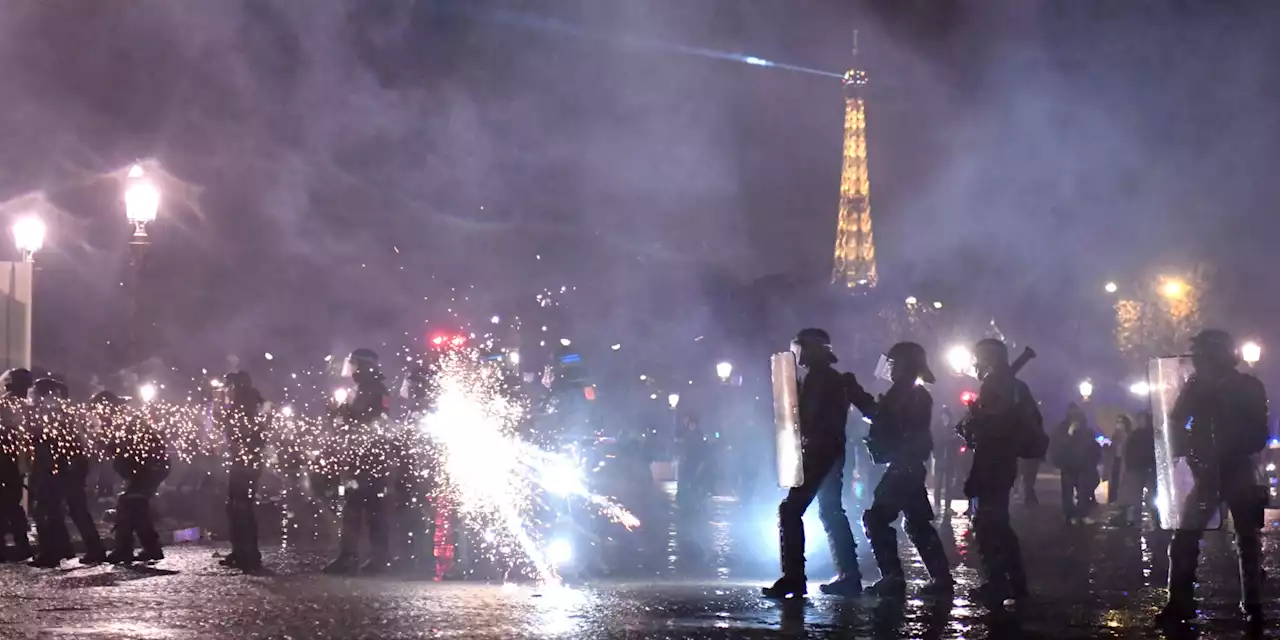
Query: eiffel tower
[{"x": 855, "y": 255}]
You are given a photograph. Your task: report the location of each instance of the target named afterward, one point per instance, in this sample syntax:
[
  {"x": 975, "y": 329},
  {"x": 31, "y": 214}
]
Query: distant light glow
[
  {"x": 1173, "y": 288},
  {"x": 1140, "y": 388},
  {"x": 1111, "y": 287},
  {"x": 286, "y": 411},
  {"x": 911, "y": 301},
  {"x": 340, "y": 395},
  {"x": 937, "y": 304},
  {"x": 268, "y": 356},
  {"x": 147, "y": 392},
  {"x": 960, "y": 359},
  {"x": 1086, "y": 389},
  {"x": 616, "y": 347},
  {"x": 564, "y": 342},
  {"x": 724, "y": 370},
  {"x": 495, "y": 320},
  {"x": 673, "y": 400},
  {"x": 759, "y": 62},
  {"x": 515, "y": 357},
  {"x": 1251, "y": 352}
]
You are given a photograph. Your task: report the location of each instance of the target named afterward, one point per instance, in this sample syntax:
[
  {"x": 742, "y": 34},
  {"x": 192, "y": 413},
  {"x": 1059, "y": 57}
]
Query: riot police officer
[
  {"x": 1003, "y": 425},
  {"x": 359, "y": 421},
  {"x": 239, "y": 413},
  {"x": 824, "y": 410},
  {"x": 141, "y": 458},
  {"x": 900, "y": 437},
  {"x": 13, "y": 445},
  {"x": 1226, "y": 411},
  {"x": 58, "y": 477}
]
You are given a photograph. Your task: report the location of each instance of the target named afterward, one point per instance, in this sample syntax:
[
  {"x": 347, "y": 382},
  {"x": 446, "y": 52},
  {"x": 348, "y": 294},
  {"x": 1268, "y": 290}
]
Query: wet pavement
[{"x": 695, "y": 576}]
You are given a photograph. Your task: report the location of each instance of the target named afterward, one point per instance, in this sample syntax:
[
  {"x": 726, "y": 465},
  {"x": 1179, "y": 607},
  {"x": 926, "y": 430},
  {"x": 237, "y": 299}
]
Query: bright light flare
[
  {"x": 1111, "y": 287},
  {"x": 724, "y": 371},
  {"x": 1173, "y": 288},
  {"x": 29, "y": 234},
  {"x": 673, "y": 400},
  {"x": 1086, "y": 389},
  {"x": 960, "y": 360},
  {"x": 1140, "y": 388},
  {"x": 147, "y": 392},
  {"x": 340, "y": 395},
  {"x": 1251, "y": 352},
  {"x": 560, "y": 552}
]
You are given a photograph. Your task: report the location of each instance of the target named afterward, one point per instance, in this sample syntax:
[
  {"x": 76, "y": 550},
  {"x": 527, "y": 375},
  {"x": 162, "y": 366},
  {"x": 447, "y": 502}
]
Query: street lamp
[
  {"x": 1086, "y": 390},
  {"x": 17, "y": 281},
  {"x": 28, "y": 236},
  {"x": 1251, "y": 352},
  {"x": 724, "y": 371},
  {"x": 141, "y": 201}
]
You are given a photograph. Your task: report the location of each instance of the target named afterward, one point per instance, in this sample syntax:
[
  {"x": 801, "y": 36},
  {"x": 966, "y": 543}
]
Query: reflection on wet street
[{"x": 686, "y": 573}]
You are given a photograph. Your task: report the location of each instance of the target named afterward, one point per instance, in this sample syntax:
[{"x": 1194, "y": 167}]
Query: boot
[
  {"x": 150, "y": 554},
  {"x": 45, "y": 561},
  {"x": 1251, "y": 578},
  {"x": 844, "y": 585},
  {"x": 1184, "y": 554},
  {"x": 893, "y": 585},
  {"x": 344, "y": 564},
  {"x": 94, "y": 556},
  {"x": 120, "y": 556},
  {"x": 786, "y": 587}
]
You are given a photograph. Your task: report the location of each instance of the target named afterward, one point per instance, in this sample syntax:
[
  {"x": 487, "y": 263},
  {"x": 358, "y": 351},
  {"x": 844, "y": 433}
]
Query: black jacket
[
  {"x": 899, "y": 432},
  {"x": 1220, "y": 420},
  {"x": 823, "y": 407},
  {"x": 994, "y": 430},
  {"x": 1140, "y": 450},
  {"x": 1075, "y": 451}
]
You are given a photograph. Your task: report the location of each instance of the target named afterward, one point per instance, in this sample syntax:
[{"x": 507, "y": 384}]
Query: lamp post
[
  {"x": 724, "y": 371},
  {"x": 18, "y": 282},
  {"x": 141, "y": 204}
]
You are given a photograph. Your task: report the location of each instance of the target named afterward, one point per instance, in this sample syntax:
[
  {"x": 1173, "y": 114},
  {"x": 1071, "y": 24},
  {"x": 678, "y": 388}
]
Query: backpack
[{"x": 1032, "y": 441}]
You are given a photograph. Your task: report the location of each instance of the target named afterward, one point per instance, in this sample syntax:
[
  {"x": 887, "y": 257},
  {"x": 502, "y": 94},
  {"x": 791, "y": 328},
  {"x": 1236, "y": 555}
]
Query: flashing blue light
[
  {"x": 717, "y": 434},
  {"x": 569, "y": 358},
  {"x": 1275, "y": 443}
]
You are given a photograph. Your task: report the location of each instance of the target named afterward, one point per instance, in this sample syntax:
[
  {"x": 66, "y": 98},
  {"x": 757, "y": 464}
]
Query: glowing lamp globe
[{"x": 28, "y": 235}]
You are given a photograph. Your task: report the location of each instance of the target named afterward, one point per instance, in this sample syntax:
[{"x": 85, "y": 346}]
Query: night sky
[{"x": 346, "y": 159}]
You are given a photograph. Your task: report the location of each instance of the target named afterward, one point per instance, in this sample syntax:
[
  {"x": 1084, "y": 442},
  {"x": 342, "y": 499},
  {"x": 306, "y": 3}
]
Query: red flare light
[{"x": 968, "y": 397}]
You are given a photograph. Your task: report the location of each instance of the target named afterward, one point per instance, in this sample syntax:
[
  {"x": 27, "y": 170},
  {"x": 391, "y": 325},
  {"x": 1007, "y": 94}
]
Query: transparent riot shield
[
  {"x": 1187, "y": 474},
  {"x": 786, "y": 419}
]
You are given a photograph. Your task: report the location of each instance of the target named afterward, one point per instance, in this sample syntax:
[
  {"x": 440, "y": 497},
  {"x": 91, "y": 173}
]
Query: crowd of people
[
  {"x": 1219, "y": 422},
  {"x": 48, "y": 447}
]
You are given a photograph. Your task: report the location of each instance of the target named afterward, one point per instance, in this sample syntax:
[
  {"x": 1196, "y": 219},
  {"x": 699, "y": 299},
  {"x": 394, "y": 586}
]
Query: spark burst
[{"x": 496, "y": 477}]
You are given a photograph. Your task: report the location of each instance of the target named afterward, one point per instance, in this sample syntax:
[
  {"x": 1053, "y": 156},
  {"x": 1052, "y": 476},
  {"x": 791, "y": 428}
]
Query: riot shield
[
  {"x": 1187, "y": 478},
  {"x": 786, "y": 419}
]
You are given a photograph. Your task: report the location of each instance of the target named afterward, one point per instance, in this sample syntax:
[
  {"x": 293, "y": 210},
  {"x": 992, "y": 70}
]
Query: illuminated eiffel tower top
[{"x": 855, "y": 254}]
